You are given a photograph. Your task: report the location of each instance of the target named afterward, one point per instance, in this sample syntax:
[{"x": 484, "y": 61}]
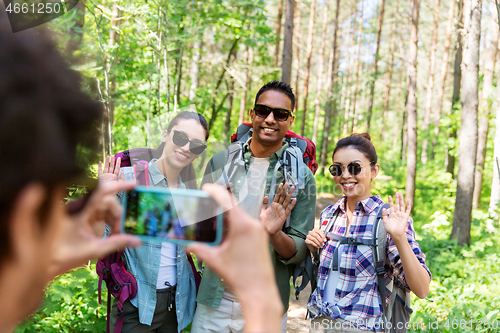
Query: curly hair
[{"x": 45, "y": 121}]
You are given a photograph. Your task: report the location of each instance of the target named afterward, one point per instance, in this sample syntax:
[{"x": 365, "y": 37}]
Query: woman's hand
[
  {"x": 274, "y": 216},
  {"x": 109, "y": 171},
  {"x": 395, "y": 224},
  {"x": 315, "y": 239},
  {"x": 416, "y": 276}
]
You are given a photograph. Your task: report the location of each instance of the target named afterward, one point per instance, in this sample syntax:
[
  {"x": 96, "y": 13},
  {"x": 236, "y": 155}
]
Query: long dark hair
[{"x": 187, "y": 174}]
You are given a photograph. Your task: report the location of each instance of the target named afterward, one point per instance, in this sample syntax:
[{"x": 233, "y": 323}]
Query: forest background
[{"x": 421, "y": 76}]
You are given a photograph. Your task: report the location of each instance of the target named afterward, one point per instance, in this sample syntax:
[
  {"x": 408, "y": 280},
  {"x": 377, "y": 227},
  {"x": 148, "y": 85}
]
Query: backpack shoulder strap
[
  {"x": 294, "y": 167},
  {"x": 243, "y": 133},
  {"x": 234, "y": 160},
  {"x": 306, "y": 269},
  {"x": 297, "y": 142},
  {"x": 309, "y": 267},
  {"x": 331, "y": 220},
  {"x": 141, "y": 174},
  {"x": 379, "y": 236},
  {"x": 293, "y": 172}
]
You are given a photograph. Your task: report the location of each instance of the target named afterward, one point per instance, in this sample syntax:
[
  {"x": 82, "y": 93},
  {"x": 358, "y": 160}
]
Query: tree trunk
[
  {"x": 375, "y": 65},
  {"x": 329, "y": 90},
  {"x": 246, "y": 84},
  {"x": 349, "y": 72},
  {"x": 178, "y": 70},
  {"x": 227, "y": 122},
  {"x": 320, "y": 73},
  {"x": 462, "y": 216},
  {"x": 164, "y": 52},
  {"x": 215, "y": 109},
  {"x": 485, "y": 109},
  {"x": 411, "y": 105},
  {"x": 111, "y": 79},
  {"x": 298, "y": 49},
  {"x": 495, "y": 184},
  {"x": 430, "y": 83},
  {"x": 195, "y": 68},
  {"x": 356, "y": 82},
  {"x": 457, "y": 79},
  {"x": 308, "y": 62},
  {"x": 404, "y": 137},
  {"x": 286, "y": 65},
  {"x": 444, "y": 72},
  {"x": 399, "y": 108},
  {"x": 390, "y": 70},
  {"x": 243, "y": 101},
  {"x": 278, "y": 32},
  {"x": 75, "y": 31},
  {"x": 330, "y": 69}
]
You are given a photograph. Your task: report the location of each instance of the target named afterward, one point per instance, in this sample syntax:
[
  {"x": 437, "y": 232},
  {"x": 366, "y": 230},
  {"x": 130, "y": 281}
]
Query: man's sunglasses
[
  {"x": 195, "y": 146},
  {"x": 354, "y": 168},
  {"x": 263, "y": 111}
]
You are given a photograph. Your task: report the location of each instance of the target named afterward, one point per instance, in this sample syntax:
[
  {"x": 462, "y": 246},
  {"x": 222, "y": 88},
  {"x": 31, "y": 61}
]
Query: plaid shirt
[{"x": 356, "y": 297}]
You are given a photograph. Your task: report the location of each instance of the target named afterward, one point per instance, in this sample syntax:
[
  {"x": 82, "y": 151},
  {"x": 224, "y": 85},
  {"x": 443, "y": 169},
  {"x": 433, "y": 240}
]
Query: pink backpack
[{"x": 121, "y": 284}]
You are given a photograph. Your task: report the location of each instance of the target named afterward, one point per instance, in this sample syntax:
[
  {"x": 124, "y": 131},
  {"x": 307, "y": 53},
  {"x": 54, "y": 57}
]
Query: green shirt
[{"x": 301, "y": 222}]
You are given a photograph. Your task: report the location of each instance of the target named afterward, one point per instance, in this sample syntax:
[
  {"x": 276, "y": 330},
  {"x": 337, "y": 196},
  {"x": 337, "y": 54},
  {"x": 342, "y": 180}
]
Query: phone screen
[{"x": 169, "y": 215}]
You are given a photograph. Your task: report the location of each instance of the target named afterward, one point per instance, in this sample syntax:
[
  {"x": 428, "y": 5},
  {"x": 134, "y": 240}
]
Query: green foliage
[
  {"x": 70, "y": 305},
  {"x": 464, "y": 293}
]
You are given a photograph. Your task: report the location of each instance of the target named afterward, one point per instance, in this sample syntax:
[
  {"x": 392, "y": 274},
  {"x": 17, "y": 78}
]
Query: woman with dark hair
[
  {"x": 165, "y": 299},
  {"x": 347, "y": 298}
]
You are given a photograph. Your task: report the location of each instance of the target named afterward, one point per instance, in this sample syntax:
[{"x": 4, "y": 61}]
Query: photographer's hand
[
  {"x": 242, "y": 260},
  {"x": 78, "y": 242}
]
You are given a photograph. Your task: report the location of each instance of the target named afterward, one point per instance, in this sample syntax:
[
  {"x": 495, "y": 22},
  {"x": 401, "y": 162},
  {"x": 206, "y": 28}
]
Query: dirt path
[{"x": 298, "y": 308}]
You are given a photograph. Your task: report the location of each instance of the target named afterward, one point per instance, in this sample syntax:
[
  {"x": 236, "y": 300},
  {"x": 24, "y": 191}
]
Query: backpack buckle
[
  {"x": 119, "y": 313},
  {"x": 117, "y": 287},
  {"x": 380, "y": 269},
  {"x": 105, "y": 271},
  {"x": 354, "y": 241}
]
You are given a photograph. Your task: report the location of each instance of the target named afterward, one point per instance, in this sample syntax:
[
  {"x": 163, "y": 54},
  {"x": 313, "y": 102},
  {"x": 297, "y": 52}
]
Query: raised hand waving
[
  {"x": 274, "y": 216},
  {"x": 395, "y": 224}
]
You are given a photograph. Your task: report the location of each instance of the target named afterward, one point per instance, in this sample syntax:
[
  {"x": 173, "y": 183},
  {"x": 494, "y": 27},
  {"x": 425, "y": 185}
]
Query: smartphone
[{"x": 178, "y": 216}]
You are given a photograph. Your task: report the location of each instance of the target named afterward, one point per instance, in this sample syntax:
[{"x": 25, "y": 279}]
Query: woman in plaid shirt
[{"x": 350, "y": 296}]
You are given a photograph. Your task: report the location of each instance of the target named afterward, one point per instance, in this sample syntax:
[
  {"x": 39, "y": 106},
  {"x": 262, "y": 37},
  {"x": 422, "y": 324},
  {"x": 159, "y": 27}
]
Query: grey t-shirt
[
  {"x": 252, "y": 190},
  {"x": 251, "y": 196}
]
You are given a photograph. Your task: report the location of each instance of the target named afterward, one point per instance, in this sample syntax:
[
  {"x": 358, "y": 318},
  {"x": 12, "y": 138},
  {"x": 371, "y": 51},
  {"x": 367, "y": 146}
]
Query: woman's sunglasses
[
  {"x": 263, "y": 111},
  {"x": 354, "y": 168},
  {"x": 180, "y": 139}
]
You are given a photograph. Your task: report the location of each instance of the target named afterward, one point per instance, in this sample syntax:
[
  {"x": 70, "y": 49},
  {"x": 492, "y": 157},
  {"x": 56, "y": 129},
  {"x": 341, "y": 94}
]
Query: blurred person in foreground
[{"x": 45, "y": 121}]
